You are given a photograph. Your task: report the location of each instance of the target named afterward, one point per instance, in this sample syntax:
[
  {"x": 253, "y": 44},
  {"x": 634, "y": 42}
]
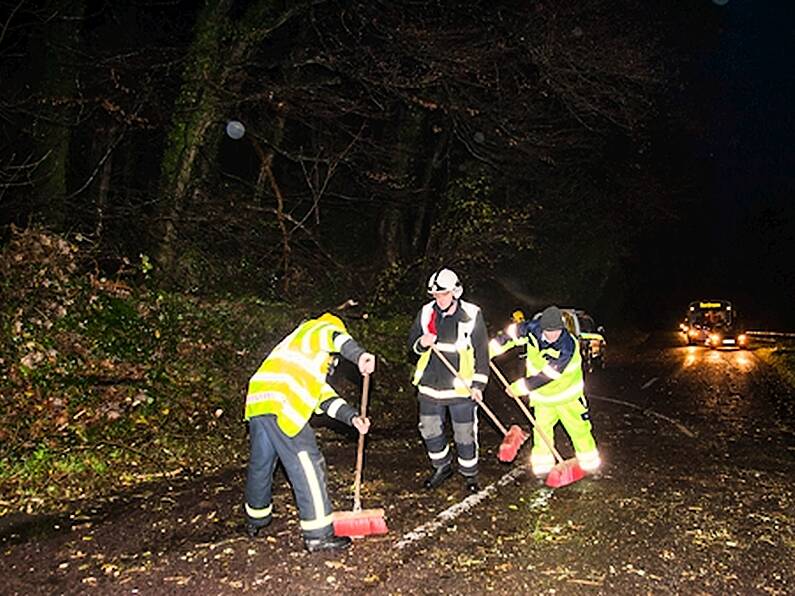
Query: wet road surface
[{"x": 696, "y": 497}]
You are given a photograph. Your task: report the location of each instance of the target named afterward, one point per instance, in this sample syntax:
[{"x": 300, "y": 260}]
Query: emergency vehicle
[{"x": 713, "y": 323}]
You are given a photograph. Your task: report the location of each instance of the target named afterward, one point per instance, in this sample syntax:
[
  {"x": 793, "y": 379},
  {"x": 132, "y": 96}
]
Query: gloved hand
[
  {"x": 476, "y": 394},
  {"x": 427, "y": 340},
  {"x": 366, "y": 363},
  {"x": 517, "y": 388},
  {"x": 361, "y": 424}
]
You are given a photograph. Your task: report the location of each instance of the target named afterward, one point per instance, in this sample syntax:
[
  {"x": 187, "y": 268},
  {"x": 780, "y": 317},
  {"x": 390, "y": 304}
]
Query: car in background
[
  {"x": 713, "y": 323},
  {"x": 593, "y": 345}
]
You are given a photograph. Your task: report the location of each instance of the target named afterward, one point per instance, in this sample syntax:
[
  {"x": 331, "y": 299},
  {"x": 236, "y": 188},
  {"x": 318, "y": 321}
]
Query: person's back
[{"x": 288, "y": 387}]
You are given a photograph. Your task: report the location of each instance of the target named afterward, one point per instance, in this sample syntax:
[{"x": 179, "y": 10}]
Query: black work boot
[
  {"x": 332, "y": 542},
  {"x": 472, "y": 484},
  {"x": 439, "y": 475},
  {"x": 253, "y": 529}
]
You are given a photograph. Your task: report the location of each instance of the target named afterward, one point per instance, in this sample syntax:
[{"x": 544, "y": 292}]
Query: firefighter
[
  {"x": 458, "y": 331},
  {"x": 555, "y": 386},
  {"x": 289, "y": 386}
]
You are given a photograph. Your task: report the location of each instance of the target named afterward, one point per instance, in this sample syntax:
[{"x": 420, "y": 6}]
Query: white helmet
[{"x": 445, "y": 280}]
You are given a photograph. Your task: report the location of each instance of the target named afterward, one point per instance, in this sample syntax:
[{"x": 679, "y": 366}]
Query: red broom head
[
  {"x": 363, "y": 523},
  {"x": 507, "y": 452},
  {"x": 517, "y": 435},
  {"x": 567, "y": 472},
  {"x": 511, "y": 444}
]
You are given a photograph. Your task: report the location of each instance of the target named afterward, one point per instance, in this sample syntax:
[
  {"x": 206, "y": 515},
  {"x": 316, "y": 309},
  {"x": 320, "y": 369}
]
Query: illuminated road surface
[{"x": 697, "y": 497}]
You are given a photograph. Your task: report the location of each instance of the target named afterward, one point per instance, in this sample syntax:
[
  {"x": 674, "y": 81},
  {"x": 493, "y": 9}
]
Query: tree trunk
[
  {"x": 266, "y": 177},
  {"x": 423, "y": 221},
  {"x": 52, "y": 132},
  {"x": 103, "y": 188},
  {"x": 195, "y": 112},
  {"x": 392, "y": 230},
  {"x": 196, "y": 125}
]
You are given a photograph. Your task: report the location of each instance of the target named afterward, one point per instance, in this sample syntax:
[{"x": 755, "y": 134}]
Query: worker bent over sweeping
[
  {"x": 458, "y": 331},
  {"x": 555, "y": 386},
  {"x": 289, "y": 386}
]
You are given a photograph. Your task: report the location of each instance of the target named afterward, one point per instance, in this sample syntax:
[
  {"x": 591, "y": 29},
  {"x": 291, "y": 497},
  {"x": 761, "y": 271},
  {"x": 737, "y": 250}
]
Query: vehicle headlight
[
  {"x": 714, "y": 338},
  {"x": 742, "y": 338},
  {"x": 692, "y": 333}
]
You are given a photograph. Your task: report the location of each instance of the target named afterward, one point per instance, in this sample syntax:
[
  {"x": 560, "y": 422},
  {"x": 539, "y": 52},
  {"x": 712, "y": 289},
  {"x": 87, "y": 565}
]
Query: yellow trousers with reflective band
[{"x": 577, "y": 422}]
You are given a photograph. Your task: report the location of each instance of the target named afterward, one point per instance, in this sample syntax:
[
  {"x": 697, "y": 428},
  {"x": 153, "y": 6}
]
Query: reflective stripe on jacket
[
  {"x": 461, "y": 352},
  {"x": 291, "y": 381},
  {"x": 507, "y": 341},
  {"x": 545, "y": 382}
]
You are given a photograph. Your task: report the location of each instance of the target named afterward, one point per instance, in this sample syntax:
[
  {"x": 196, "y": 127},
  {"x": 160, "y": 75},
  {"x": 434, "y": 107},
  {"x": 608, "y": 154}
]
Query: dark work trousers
[
  {"x": 306, "y": 470},
  {"x": 463, "y": 414}
]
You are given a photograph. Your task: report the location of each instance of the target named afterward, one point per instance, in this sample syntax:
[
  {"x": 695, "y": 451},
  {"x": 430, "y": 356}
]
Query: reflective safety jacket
[
  {"x": 512, "y": 338},
  {"x": 291, "y": 382},
  {"x": 462, "y": 338},
  {"x": 553, "y": 370}
]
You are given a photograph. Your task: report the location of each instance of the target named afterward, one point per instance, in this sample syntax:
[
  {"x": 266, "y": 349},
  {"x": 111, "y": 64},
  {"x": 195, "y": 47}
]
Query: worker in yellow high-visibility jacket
[
  {"x": 554, "y": 384},
  {"x": 289, "y": 386}
]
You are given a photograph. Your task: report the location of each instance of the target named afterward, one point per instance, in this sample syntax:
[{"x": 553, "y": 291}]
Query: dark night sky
[
  {"x": 736, "y": 169},
  {"x": 748, "y": 93}
]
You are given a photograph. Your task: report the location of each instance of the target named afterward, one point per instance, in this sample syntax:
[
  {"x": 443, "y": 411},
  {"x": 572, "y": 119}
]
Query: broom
[
  {"x": 513, "y": 437},
  {"x": 359, "y": 522},
  {"x": 564, "y": 471}
]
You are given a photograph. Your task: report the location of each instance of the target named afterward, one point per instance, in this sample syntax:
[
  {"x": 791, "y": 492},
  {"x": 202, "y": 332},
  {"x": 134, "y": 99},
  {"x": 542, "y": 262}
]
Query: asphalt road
[{"x": 697, "y": 497}]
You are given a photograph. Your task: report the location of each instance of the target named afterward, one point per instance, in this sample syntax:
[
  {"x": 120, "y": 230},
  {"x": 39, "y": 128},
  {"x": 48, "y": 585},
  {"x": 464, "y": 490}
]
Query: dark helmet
[{"x": 551, "y": 319}]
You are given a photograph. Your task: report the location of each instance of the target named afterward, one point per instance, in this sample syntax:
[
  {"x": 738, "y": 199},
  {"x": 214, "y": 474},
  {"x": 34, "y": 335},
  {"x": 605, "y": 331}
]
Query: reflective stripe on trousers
[
  {"x": 463, "y": 414},
  {"x": 305, "y": 468},
  {"x": 576, "y": 420}
]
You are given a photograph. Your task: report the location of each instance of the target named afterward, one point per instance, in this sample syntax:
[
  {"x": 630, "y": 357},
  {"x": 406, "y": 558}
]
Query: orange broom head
[
  {"x": 566, "y": 472},
  {"x": 357, "y": 524},
  {"x": 511, "y": 444}
]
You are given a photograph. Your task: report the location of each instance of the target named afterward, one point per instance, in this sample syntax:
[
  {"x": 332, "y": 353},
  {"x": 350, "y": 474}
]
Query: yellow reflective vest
[
  {"x": 291, "y": 382},
  {"x": 565, "y": 385}
]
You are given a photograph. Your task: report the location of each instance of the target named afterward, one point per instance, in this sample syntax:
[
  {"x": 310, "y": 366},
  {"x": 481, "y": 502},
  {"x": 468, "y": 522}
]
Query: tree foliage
[
  {"x": 90, "y": 358},
  {"x": 367, "y": 124}
]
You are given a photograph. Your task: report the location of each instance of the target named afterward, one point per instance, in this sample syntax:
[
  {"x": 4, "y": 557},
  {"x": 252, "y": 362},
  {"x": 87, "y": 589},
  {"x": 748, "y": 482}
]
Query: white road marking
[
  {"x": 683, "y": 429},
  {"x": 649, "y": 383},
  {"x": 454, "y": 511}
]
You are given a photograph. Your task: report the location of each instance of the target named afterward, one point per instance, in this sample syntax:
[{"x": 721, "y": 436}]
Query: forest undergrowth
[{"x": 107, "y": 383}]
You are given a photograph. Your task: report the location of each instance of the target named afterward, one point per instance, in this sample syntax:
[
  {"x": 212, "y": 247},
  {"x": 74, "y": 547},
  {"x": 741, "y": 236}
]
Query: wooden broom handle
[
  {"x": 444, "y": 359},
  {"x": 527, "y": 413},
  {"x": 357, "y": 479}
]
